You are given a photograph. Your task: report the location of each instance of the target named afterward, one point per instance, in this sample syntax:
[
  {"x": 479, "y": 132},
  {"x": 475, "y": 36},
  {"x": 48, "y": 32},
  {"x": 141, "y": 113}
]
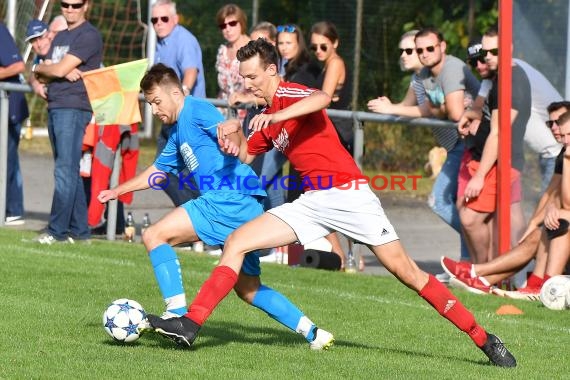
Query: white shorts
[{"x": 354, "y": 211}]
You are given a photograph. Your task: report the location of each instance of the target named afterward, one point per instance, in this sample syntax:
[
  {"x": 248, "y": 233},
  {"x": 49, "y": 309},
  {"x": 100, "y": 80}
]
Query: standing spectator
[
  {"x": 447, "y": 85},
  {"x": 477, "y": 180},
  {"x": 79, "y": 48},
  {"x": 265, "y": 30},
  {"x": 177, "y": 48},
  {"x": 232, "y": 22},
  {"x": 334, "y": 78},
  {"x": 11, "y": 66}
]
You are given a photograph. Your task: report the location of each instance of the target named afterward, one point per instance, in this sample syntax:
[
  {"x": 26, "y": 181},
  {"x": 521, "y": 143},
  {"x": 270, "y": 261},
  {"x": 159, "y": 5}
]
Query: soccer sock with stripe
[
  {"x": 214, "y": 289},
  {"x": 278, "y": 307},
  {"x": 446, "y": 304},
  {"x": 168, "y": 274}
]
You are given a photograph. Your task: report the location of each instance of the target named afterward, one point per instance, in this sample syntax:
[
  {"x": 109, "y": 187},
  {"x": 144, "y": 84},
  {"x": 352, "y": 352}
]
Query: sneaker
[
  {"x": 181, "y": 330},
  {"x": 145, "y": 325},
  {"x": 14, "y": 221},
  {"x": 443, "y": 277},
  {"x": 473, "y": 285},
  {"x": 454, "y": 268},
  {"x": 323, "y": 340},
  {"x": 497, "y": 352},
  {"x": 527, "y": 294},
  {"x": 48, "y": 239}
]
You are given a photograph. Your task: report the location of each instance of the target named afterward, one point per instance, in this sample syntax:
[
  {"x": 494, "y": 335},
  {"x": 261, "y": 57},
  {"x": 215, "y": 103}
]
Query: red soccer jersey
[{"x": 310, "y": 142}]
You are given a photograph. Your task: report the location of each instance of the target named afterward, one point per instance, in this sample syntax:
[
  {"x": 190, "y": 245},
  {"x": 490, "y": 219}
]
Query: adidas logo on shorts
[{"x": 384, "y": 232}]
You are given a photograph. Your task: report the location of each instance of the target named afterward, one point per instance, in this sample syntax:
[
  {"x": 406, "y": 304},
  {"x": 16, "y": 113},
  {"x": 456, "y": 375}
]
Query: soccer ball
[
  {"x": 122, "y": 318},
  {"x": 555, "y": 293}
]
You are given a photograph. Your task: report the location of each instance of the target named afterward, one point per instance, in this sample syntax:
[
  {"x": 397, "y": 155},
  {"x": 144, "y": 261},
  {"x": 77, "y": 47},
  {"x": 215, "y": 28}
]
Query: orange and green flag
[{"x": 114, "y": 92}]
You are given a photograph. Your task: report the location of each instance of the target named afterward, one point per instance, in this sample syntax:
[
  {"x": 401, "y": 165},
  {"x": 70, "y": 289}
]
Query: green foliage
[{"x": 53, "y": 299}]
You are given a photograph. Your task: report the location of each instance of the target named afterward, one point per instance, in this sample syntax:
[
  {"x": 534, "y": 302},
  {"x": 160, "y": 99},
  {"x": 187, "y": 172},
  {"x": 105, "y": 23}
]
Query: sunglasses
[
  {"x": 494, "y": 52},
  {"x": 164, "y": 19},
  {"x": 65, "y": 5},
  {"x": 224, "y": 25},
  {"x": 286, "y": 28},
  {"x": 473, "y": 61},
  {"x": 409, "y": 51},
  {"x": 430, "y": 49},
  {"x": 323, "y": 47},
  {"x": 550, "y": 123}
]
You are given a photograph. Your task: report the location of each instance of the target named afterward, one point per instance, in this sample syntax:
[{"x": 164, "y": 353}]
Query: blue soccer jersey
[{"x": 193, "y": 144}]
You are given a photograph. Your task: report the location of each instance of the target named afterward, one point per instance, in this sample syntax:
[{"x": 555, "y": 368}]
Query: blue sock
[
  {"x": 278, "y": 307},
  {"x": 169, "y": 277}
]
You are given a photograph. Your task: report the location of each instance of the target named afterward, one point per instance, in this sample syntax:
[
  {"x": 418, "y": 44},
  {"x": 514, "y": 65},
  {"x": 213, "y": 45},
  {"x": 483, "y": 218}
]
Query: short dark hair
[
  {"x": 266, "y": 51},
  {"x": 555, "y": 106},
  {"x": 564, "y": 118},
  {"x": 430, "y": 30},
  {"x": 160, "y": 75},
  {"x": 492, "y": 31}
]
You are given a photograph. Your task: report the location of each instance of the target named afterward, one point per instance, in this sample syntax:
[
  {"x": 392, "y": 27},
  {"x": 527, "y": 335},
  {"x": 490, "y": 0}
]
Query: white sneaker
[
  {"x": 443, "y": 277},
  {"x": 48, "y": 239},
  {"x": 14, "y": 221},
  {"x": 323, "y": 340}
]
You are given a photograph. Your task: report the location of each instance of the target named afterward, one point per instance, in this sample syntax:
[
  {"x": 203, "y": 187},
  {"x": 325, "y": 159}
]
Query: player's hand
[
  {"x": 380, "y": 105},
  {"x": 107, "y": 195},
  {"x": 227, "y": 128},
  {"x": 261, "y": 121},
  {"x": 229, "y": 147}
]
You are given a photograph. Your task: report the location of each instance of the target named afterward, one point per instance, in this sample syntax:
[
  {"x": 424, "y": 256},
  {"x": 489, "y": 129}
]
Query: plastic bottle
[
  {"x": 130, "y": 230},
  {"x": 350, "y": 266},
  {"x": 145, "y": 223}
]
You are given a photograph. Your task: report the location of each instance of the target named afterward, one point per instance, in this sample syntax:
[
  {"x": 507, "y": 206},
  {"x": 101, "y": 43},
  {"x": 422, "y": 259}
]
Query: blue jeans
[
  {"x": 443, "y": 197},
  {"x": 546, "y": 171},
  {"x": 272, "y": 170},
  {"x": 14, "y": 185},
  {"x": 66, "y": 127}
]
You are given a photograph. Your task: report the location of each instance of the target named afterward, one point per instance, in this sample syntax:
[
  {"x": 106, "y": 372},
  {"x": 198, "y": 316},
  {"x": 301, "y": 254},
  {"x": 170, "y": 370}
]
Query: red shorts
[{"x": 487, "y": 199}]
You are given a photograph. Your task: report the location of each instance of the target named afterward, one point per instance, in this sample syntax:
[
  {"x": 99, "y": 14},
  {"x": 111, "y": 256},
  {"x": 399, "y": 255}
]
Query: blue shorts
[{"x": 215, "y": 215}]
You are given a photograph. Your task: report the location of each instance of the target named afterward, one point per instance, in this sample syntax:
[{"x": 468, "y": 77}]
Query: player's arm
[
  {"x": 189, "y": 80},
  {"x": 232, "y": 141},
  {"x": 551, "y": 194},
  {"x": 67, "y": 65},
  {"x": 11, "y": 70},
  {"x": 316, "y": 101},
  {"x": 139, "y": 182}
]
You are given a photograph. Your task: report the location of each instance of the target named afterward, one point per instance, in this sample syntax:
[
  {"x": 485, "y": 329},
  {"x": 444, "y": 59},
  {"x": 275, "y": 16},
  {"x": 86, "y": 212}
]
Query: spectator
[
  {"x": 334, "y": 78},
  {"x": 551, "y": 254},
  {"x": 265, "y": 30},
  {"x": 232, "y": 22},
  {"x": 477, "y": 179},
  {"x": 177, "y": 48},
  {"x": 11, "y": 66},
  {"x": 448, "y": 85},
  {"x": 79, "y": 48}
]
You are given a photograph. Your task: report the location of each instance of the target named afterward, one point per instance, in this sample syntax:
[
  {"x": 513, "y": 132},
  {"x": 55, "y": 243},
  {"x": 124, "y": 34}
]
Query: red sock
[
  {"x": 546, "y": 277},
  {"x": 446, "y": 304},
  {"x": 534, "y": 281},
  {"x": 214, "y": 289}
]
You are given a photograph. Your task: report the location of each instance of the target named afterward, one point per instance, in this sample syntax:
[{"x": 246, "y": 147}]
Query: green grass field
[{"x": 53, "y": 299}]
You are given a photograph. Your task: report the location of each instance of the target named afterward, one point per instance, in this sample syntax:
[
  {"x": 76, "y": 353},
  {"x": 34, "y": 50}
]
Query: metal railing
[{"x": 358, "y": 117}]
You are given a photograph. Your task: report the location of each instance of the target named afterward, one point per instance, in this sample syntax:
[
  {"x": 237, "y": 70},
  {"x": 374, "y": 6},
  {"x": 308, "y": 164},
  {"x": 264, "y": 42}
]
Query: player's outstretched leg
[
  {"x": 168, "y": 275},
  {"x": 437, "y": 295}
]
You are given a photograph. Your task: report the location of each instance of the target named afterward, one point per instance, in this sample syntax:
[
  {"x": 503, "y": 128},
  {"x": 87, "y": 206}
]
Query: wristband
[{"x": 34, "y": 67}]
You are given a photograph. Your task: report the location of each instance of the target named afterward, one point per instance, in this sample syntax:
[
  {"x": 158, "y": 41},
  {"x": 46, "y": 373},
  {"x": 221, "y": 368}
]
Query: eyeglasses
[
  {"x": 286, "y": 28},
  {"x": 409, "y": 51},
  {"x": 550, "y": 123},
  {"x": 473, "y": 61},
  {"x": 494, "y": 52},
  {"x": 323, "y": 47},
  {"x": 65, "y": 5},
  {"x": 164, "y": 19},
  {"x": 224, "y": 25},
  {"x": 430, "y": 49}
]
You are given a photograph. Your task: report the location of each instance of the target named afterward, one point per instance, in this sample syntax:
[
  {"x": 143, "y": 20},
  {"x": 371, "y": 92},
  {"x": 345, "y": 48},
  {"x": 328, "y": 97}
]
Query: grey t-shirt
[{"x": 455, "y": 75}]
